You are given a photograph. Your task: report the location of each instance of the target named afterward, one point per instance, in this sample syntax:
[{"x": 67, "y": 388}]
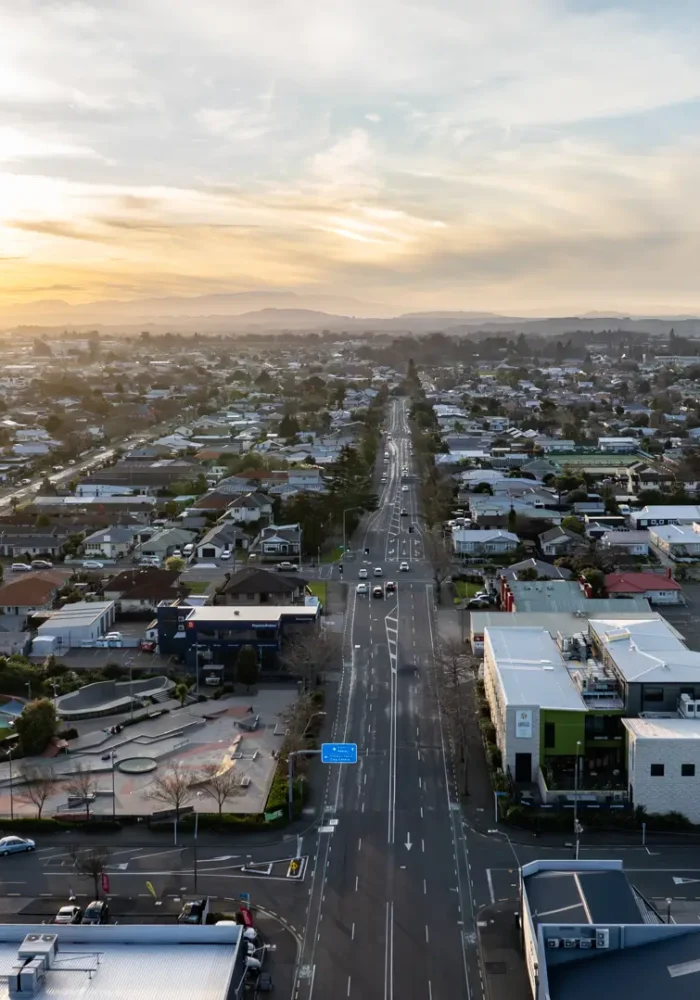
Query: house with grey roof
[{"x": 110, "y": 543}]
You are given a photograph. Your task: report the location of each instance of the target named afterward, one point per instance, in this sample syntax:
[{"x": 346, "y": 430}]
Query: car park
[
  {"x": 21, "y": 568},
  {"x": 68, "y": 915},
  {"x": 16, "y": 845},
  {"x": 361, "y": 589},
  {"x": 96, "y": 912},
  {"x": 404, "y": 567},
  {"x": 363, "y": 574}
]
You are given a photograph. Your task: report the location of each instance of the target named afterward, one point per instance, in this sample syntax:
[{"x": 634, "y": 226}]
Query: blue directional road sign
[
  {"x": 244, "y": 897},
  {"x": 339, "y": 753}
]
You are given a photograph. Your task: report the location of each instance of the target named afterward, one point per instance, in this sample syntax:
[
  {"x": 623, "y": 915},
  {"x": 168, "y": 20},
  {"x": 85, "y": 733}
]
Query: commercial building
[
  {"x": 588, "y": 932},
  {"x": 566, "y": 622},
  {"x": 74, "y": 625},
  {"x": 678, "y": 541},
  {"x": 561, "y": 595},
  {"x": 663, "y": 765},
  {"x": 655, "y": 514}
]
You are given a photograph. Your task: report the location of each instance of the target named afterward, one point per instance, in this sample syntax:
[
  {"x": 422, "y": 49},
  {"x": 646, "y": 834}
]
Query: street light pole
[
  {"x": 114, "y": 794},
  {"x": 12, "y": 801},
  {"x": 577, "y": 826}
]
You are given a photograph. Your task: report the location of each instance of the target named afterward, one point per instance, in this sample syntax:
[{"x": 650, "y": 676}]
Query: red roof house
[{"x": 656, "y": 587}]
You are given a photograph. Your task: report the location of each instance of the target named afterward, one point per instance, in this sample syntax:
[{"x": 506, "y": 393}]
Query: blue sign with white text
[{"x": 339, "y": 753}]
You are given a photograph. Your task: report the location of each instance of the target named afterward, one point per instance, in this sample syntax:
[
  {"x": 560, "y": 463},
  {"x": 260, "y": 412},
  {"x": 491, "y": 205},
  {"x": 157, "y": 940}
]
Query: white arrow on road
[
  {"x": 409, "y": 845},
  {"x": 121, "y": 867},
  {"x": 224, "y": 857},
  {"x": 677, "y": 880}
]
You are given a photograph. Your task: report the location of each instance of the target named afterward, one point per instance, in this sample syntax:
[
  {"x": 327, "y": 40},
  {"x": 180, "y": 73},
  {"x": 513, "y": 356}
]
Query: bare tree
[
  {"x": 174, "y": 788},
  {"x": 307, "y": 655},
  {"x": 220, "y": 785},
  {"x": 456, "y": 672},
  {"x": 439, "y": 558},
  {"x": 83, "y": 784},
  {"x": 91, "y": 862},
  {"x": 39, "y": 784}
]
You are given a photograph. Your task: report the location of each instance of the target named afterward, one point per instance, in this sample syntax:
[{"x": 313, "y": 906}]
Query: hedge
[{"x": 51, "y": 824}]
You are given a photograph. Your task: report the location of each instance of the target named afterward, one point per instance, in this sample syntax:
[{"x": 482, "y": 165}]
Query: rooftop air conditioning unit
[
  {"x": 553, "y": 942},
  {"x": 43, "y": 946},
  {"x": 602, "y": 937},
  {"x": 32, "y": 976},
  {"x": 585, "y": 943},
  {"x": 570, "y": 942}
]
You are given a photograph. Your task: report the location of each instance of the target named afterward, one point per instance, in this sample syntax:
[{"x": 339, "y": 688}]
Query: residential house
[
  {"x": 560, "y": 541},
  {"x": 656, "y": 514},
  {"x": 249, "y": 508},
  {"x": 40, "y": 543},
  {"x": 483, "y": 542},
  {"x": 110, "y": 543},
  {"x": 225, "y": 537},
  {"x": 657, "y": 588},
  {"x": 255, "y": 585},
  {"x": 142, "y": 588},
  {"x": 165, "y": 542},
  {"x": 679, "y": 541},
  {"x": 275, "y": 542},
  {"x": 30, "y": 592},
  {"x": 634, "y": 543}
]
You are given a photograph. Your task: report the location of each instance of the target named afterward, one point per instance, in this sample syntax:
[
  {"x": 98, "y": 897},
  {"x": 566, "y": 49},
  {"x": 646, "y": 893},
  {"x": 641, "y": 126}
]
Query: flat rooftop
[
  {"x": 566, "y": 622},
  {"x": 668, "y": 969},
  {"x": 663, "y": 729},
  {"x": 251, "y": 613},
  {"x": 647, "y": 651},
  {"x": 581, "y": 897},
  {"x": 532, "y": 670}
]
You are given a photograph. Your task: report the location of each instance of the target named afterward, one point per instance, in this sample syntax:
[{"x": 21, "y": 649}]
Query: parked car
[
  {"x": 287, "y": 566},
  {"x": 225, "y": 555},
  {"x": 16, "y": 845},
  {"x": 114, "y": 635},
  {"x": 148, "y": 646},
  {"x": 21, "y": 568},
  {"x": 361, "y": 589},
  {"x": 96, "y": 912},
  {"x": 478, "y": 602},
  {"x": 194, "y": 912},
  {"x": 41, "y": 564},
  {"x": 404, "y": 567},
  {"x": 93, "y": 564},
  {"x": 68, "y": 915}
]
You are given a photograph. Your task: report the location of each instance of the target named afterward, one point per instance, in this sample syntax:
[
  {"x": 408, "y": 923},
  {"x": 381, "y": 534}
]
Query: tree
[
  {"x": 220, "y": 785},
  {"x": 440, "y": 559},
  {"x": 181, "y": 691},
  {"x": 174, "y": 788},
  {"x": 456, "y": 671},
  {"x": 176, "y": 564},
  {"x": 596, "y": 579},
  {"x": 308, "y": 655},
  {"x": 39, "y": 783},
  {"x": 91, "y": 862},
  {"x": 83, "y": 784},
  {"x": 36, "y": 725},
  {"x": 247, "y": 666},
  {"x": 573, "y": 524}
]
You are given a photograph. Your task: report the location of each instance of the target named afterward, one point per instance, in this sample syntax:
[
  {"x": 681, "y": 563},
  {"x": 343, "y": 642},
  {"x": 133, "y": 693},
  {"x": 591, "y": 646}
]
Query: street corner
[{"x": 503, "y": 971}]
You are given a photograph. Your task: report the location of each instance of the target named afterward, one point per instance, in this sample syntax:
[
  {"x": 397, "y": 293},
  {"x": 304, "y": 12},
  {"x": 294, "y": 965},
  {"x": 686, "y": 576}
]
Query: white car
[
  {"x": 383, "y": 479},
  {"x": 93, "y": 564},
  {"x": 20, "y": 568},
  {"x": 404, "y": 567},
  {"x": 404, "y": 489},
  {"x": 114, "y": 635},
  {"x": 378, "y": 571},
  {"x": 361, "y": 589},
  {"x": 226, "y": 554},
  {"x": 363, "y": 574}
]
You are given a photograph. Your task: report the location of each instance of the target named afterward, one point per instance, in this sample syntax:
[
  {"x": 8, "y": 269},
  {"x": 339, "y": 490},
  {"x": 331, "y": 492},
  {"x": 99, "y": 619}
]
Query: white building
[
  {"x": 663, "y": 765},
  {"x": 679, "y": 541},
  {"x": 618, "y": 445},
  {"x": 483, "y": 542},
  {"x": 635, "y": 543},
  {"x": 74, "y": 624},
  {"x": 656, "y": 514}
]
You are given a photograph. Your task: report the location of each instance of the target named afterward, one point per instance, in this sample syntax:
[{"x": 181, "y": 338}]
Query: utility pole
[{"x": 577, "y": 825}]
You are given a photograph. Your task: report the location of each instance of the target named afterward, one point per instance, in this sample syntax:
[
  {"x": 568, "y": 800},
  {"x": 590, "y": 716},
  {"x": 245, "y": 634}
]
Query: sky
[{"x": 510, "y": 155}]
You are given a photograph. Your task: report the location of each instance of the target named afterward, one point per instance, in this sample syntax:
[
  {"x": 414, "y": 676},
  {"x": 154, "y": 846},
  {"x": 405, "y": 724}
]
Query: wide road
[{"x": 390, "y": 909}]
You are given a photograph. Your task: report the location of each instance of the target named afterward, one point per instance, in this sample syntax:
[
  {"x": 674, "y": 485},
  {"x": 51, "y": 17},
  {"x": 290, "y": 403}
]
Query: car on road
[
  {"x": 15, "y": 845},
  {"x": 411, "y": 529},
  {"x": 404, "y": 489},
  {"x": 96, "y": 912},
  {"x": 363, "y": 574},
  {"x": 383, "y": 479},
  {"x": 287, "y": 566},
  {"x": 93, "y": 564},
  {"x": 362, "y": 589},
  {"x": 226, "y": 554},
  {"x": 20, "y": 568},
  {"x": 404, "y": 512},
  {"x": 378, "y": 591},
  {"x": 41, "y": 564},
  {"x": 378, "y": 571},
  {"x": 404, "y": 567},
  {"x": 390, "y": 587},
  {"x": 68, "y": 915}
]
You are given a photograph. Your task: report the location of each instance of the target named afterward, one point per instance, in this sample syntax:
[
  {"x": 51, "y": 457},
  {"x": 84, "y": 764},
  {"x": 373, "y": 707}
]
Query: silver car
[{"x": 13, "y": 845}]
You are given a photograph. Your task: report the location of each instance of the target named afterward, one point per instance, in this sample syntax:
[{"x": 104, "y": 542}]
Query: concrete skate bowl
[
  {"x": 110, "y": 698},
  {"x": 136, "y": 765}
]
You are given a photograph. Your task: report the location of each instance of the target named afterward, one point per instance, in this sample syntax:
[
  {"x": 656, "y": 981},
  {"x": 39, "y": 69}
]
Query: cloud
[{"x": 51, "y": 227}]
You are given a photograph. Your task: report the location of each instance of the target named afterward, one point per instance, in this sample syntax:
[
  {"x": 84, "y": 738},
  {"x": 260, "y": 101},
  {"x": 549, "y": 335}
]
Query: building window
[
  {"x": 550, "y": 738},
  {"x": 687, "y": 770},
  {"x": 652, "y": 693},
  {"x": 656, "y": 770}
]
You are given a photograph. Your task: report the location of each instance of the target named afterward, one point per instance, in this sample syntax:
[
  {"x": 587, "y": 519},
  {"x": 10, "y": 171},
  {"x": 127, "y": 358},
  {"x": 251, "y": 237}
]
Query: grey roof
[
  {"x": 544, "y": 569},
  {"x": 115, "y": 533},
  {"x": 224, "y": 533},
  {"x": 531, "y": 669},
  {"x": 647, "y": 651},
  {"x": 582, "y": 897},
  {"x": 557, "y": 595},
  {"x": 665, "y": 968}
]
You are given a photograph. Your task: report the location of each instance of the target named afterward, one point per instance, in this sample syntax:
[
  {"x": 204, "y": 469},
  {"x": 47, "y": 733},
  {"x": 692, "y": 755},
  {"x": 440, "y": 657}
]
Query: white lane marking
[
  {"x": 359, "y": 844},
  {"x": 349, "y": 982},
  {"x": 352, "y": 932},
  {"x": 489, "y": 879}
]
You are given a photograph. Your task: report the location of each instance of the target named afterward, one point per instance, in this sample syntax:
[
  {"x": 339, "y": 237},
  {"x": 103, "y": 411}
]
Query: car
[
  {"x": 96, "y": 912},
  {"x": 477, "y": 602},
  {"x": 411, "y": 529},
  {"x": 24, "y": 482},
  {"x": 482, "y": 595},
  {"x": 363, "y": 574},
  {"x": 20, "y": 568},
  {"x": 404, "y": 512},
  {"x": 404, "y": 567},
  {"x": 404, "y": 489},
  {"x": 287, "y": 566},
  {"x": 390, "y": 587},
  {"x": 148, "y": 645},
  {"x": 378, "y": 571},
  {"x": 194, "y": 912},
  {"x": 68, "y": 915},
  {"x": 41, "y": 564},
  {"x": 16, "y": 845},
  {"x": 383, "y": 479},
  {"x": 114, "y": 635},
  {"x": 226, "y": 554},
  {"x": 361, "y": 589},
  {"x": 93, "y": 564},
  {"x": 109, "y": 755},
  {"x": 378, "y": 591}
]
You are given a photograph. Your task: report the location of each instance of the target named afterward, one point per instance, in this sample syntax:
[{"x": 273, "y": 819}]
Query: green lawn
[
  {"x": 333, "y": 555},
  {"x": 463, "y": 590},
  {"x": 197, "y": 586},
  {"x": 318, "y": 588}
]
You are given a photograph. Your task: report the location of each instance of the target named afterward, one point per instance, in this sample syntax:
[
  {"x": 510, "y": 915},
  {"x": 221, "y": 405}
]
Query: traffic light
[
  {"x": 340, "y": 567},
  {"x": 366, "y": 552}
]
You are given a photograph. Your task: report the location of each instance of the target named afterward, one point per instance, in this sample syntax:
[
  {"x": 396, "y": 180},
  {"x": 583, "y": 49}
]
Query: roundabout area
[{"x": 136, "y": 765}]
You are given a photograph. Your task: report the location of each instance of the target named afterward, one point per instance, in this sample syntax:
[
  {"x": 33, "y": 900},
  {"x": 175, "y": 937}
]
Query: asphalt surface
[{"x": 390, "y": 912}]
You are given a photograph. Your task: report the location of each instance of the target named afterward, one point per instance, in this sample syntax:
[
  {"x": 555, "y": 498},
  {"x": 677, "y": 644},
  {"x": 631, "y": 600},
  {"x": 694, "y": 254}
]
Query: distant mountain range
[{"x": 273, "y": 311}]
